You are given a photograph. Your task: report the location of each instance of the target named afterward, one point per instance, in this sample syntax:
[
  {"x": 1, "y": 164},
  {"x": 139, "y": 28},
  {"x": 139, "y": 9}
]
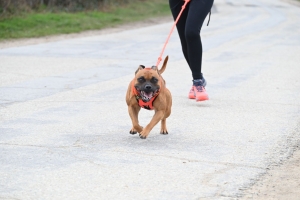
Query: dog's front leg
[
  {"x": 133, "y": 113},
  {"x": 155, "y": 119},
  {"x": 163, "y": 129}
]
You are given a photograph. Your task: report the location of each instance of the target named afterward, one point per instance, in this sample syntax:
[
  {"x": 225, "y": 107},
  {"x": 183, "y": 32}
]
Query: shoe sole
[
  {"x": 192, "y": 96},
  {"x": 203, "y": 98}
]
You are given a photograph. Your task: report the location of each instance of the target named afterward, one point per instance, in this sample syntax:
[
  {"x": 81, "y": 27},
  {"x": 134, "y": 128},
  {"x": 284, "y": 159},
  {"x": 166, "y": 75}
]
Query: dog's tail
[{"x": 162, "y": 69}]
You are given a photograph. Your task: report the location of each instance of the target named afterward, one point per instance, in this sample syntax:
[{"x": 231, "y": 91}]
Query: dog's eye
[
  {"x": 141, "y": 79},
  {"x": 154, "y": 80}
]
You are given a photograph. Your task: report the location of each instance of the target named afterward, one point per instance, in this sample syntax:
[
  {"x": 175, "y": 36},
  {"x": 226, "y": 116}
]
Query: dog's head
[{"x": 148, "y": 81}]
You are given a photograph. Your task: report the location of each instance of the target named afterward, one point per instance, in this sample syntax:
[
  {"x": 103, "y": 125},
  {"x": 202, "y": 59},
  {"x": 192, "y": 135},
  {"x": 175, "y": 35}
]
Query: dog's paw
[
  {"x": 144, "y": 134},
  {"x": 132, "y": 132},
  {"x": 136, "y": 130},
  {"x": 164, "y": 132},
  {"x": 142, "y": 137}
]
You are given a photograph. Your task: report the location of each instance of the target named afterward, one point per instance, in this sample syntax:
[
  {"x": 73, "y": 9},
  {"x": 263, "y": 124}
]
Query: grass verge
[{"x": 43, "y": 24}]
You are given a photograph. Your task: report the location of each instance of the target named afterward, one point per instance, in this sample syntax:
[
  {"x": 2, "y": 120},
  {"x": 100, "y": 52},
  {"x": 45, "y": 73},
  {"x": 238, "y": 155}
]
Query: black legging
[{"x": 189, "y": 26}]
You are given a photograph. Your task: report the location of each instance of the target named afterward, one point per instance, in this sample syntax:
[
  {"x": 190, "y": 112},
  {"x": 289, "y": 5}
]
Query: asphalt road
[{"x": 64, "y": 126}]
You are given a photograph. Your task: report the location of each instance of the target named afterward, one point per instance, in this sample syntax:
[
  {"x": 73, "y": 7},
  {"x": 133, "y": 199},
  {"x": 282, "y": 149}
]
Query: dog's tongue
[{"x": 147, "y": 96}]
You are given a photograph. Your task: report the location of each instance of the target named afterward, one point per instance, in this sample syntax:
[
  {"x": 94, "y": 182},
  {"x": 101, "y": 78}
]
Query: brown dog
[{"x": 148, "y": 90}]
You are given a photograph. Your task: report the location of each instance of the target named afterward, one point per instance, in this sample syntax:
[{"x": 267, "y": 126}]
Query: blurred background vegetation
[
  {"x": 36, "y": 18},
  {"x": 8, "y": 7}
]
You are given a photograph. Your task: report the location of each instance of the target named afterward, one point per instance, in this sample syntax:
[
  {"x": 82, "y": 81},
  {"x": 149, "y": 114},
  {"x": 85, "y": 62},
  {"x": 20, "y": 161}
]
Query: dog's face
[{"x": 147, "y": 82}]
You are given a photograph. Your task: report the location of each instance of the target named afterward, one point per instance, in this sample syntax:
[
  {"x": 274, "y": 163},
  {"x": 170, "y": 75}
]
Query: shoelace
[{"x": 199, "y": 88}]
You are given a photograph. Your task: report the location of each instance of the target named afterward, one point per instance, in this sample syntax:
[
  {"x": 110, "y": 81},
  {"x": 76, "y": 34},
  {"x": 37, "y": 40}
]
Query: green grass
[{"x": 47, "y": 23}]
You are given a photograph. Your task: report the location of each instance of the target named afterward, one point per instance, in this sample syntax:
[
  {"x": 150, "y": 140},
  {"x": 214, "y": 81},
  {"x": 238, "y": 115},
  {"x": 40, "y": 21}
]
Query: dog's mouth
[{"x": 147, "y": 96}]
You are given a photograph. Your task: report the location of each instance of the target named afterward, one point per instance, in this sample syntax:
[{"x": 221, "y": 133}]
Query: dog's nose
[{"x": 148, "y": 87}]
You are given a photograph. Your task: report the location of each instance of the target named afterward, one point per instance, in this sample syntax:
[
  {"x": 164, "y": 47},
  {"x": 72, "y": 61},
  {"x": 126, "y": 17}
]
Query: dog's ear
[
  {"x": 140, "y": 68},
  {"x": 154, "y": 68},
  {"x": 162, "y": 69}
]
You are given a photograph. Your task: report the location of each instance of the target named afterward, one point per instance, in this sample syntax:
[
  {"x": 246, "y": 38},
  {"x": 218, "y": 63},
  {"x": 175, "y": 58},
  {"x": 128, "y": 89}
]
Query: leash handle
[{"x": 172, "y": 29}]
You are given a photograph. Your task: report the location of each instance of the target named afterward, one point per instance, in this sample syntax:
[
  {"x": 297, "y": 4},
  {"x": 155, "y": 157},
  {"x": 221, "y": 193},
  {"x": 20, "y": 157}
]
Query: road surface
[{"x": 65, "y": 128}]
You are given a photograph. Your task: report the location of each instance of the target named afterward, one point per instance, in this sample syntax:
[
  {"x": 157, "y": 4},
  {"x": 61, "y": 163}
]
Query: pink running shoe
[
  {"x": 201, "y": 94},
  {"x": 199, "y": 90},
  {"x": 192, "y": 93}
]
